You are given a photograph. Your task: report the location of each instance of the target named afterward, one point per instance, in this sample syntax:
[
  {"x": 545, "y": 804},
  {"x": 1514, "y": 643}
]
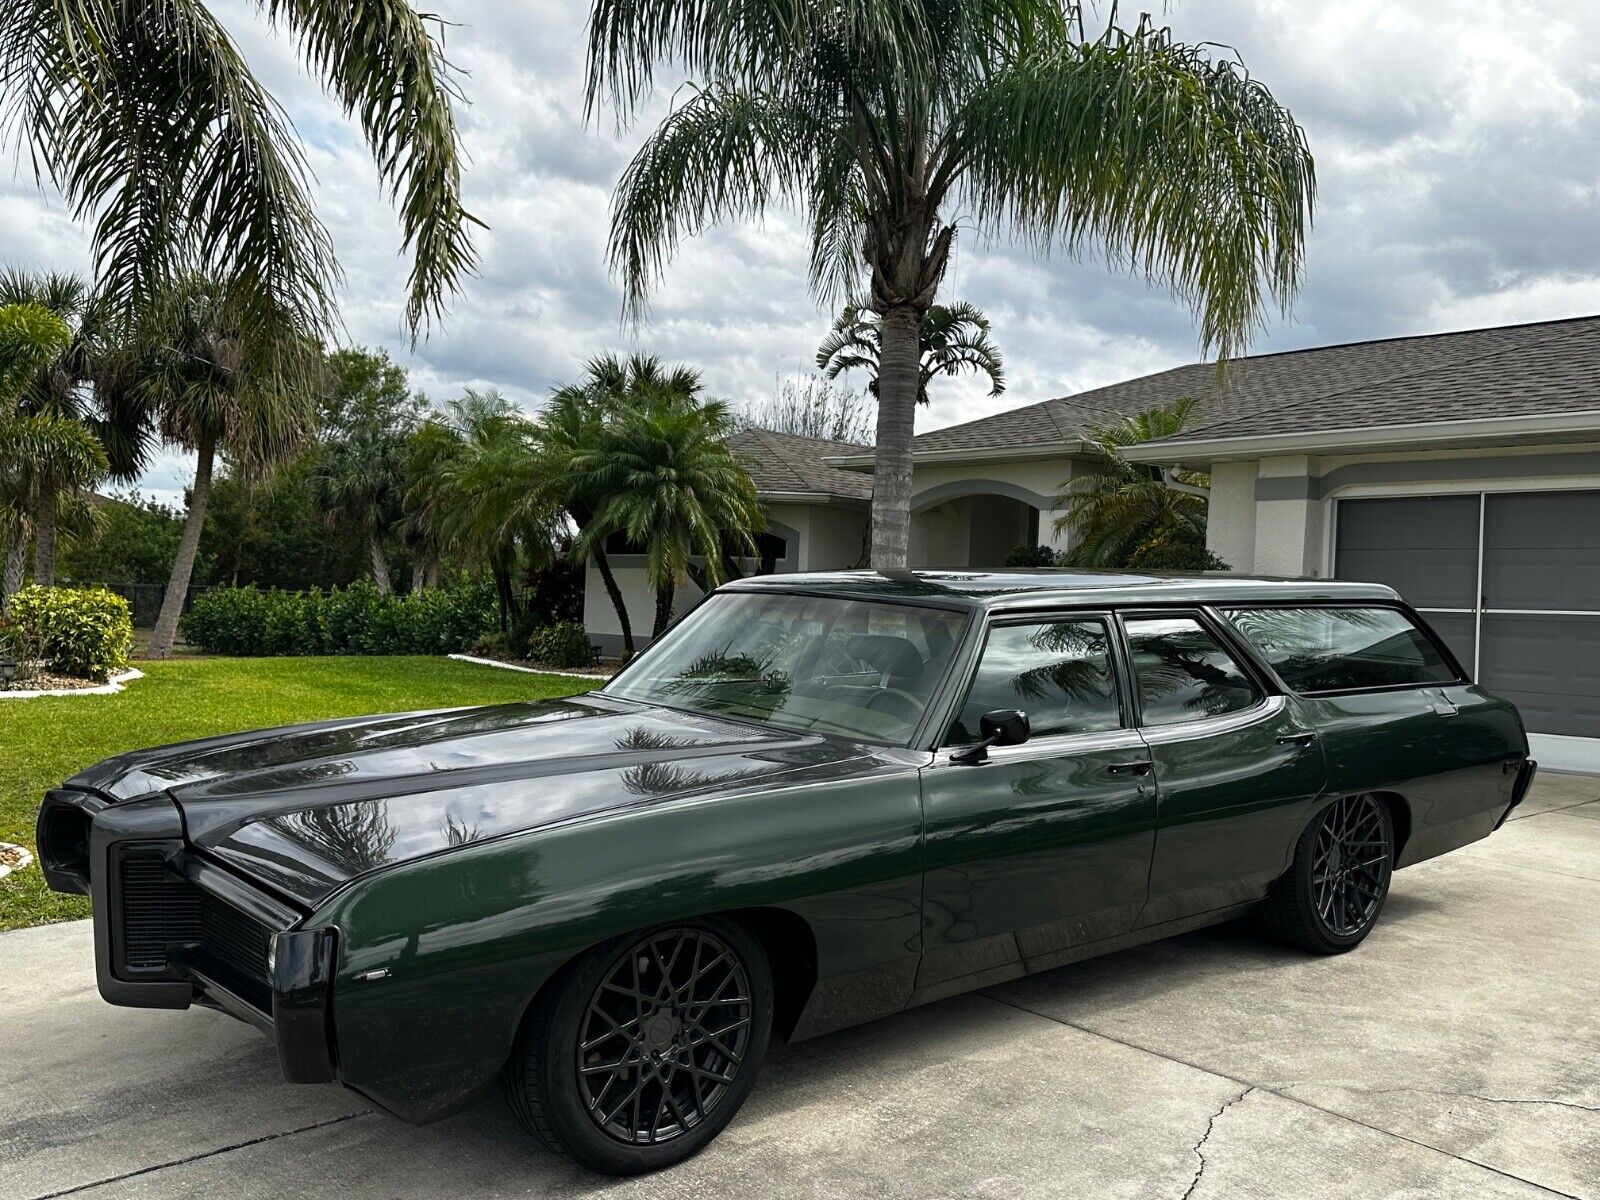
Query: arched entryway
[{"x": 976, "y": 523}]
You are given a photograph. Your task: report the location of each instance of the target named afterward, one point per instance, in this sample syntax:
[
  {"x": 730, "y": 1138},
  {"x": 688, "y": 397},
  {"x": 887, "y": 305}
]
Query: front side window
[
  {"x": 1336, "y": 649},
  {"x": 863, "y": 669},
  {"x": 1058, "y": 672},
  {"x": 1183, "y": 673}
]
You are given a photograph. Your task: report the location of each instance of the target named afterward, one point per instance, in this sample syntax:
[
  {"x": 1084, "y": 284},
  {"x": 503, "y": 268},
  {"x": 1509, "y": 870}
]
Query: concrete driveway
[{"x": 1457, "y": 1053}]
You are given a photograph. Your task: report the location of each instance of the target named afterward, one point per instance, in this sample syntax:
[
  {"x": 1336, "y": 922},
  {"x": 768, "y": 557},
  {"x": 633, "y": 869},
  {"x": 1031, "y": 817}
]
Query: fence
[{"x": 144, "y": 599}]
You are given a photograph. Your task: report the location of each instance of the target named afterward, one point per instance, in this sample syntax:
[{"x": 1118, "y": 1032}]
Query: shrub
[
  {"x": 1031, "y": 556},
  {"x": 82, "y": 632},
  {"x": 564, "y": 644},
  {"x": 352, "y": 620}
]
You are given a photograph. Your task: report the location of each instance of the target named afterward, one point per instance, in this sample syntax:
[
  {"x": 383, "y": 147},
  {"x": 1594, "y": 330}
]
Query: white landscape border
[
  {"x": 110, "y": 687},
  {"x": 6, "y": 868},
  {"x": 505, "y": 666}
]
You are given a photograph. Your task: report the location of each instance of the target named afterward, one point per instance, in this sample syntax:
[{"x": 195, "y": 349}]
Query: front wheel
[
  {"x": 1332, "y": 895},
  {"x": 646, "y": 1048}
]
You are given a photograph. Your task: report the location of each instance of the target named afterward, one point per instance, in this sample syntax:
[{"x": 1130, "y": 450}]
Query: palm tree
[
  {"x": 885, "y": 119},
  {"x": 953, "y": 338},
  {"x": 664, "y": 478},
  {"x": 1131, "y": 515},
  {"x": 150, "y": 122},
  {"x": 575, "y": 423},
  {"x": 216, "y": 375}
]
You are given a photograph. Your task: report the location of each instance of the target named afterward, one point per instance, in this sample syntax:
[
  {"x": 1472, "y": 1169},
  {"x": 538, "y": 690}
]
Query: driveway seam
[
  {"x": 1273, "y": 1091},
  {"x": 1545, "y": 812},
  {"x": 179, "y": 1162}
]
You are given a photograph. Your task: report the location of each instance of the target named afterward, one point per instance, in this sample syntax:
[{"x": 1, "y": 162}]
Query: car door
[
  {"x": 1045, "y": 846},
  {"x": 1238, "y": 768}
]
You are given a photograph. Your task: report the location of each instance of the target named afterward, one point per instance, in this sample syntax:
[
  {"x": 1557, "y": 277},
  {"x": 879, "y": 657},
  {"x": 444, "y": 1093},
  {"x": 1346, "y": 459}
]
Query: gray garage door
[{"x": 1510, "y": 579}]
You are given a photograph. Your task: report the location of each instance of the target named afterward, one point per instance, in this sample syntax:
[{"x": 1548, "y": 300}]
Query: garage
[{"x": 1511, "y": 580}]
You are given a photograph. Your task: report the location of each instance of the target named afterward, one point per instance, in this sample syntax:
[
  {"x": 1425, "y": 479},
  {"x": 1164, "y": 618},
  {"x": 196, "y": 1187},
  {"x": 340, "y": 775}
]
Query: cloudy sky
[{"x": 1456, "y": 151}]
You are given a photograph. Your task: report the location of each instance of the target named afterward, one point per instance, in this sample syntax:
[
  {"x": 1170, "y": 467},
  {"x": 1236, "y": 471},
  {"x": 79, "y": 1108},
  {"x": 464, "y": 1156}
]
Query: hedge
[
  {"x": 82, "y": 632},
  {"x": 354, "y": 620}
]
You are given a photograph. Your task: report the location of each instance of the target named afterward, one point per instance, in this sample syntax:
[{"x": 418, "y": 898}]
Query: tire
[
  {"x": 625, "y": 1073},
  {"x": 1333, "y": 893}
]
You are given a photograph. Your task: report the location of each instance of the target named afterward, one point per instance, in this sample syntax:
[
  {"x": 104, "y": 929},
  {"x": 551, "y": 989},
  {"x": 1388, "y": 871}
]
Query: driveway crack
[
  {"x": 1199, "y": 1149},
  {"x": 201, "y": 1157}
]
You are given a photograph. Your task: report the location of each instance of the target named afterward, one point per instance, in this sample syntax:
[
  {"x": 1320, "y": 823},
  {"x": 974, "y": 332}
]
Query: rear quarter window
[{"x": 1342, "y": 649}]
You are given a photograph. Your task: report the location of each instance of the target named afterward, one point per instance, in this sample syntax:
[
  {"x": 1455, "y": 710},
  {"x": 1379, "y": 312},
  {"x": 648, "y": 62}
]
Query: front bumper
[{"x": 172, "y": 929}]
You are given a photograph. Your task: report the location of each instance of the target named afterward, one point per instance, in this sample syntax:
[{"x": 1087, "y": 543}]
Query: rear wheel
[
  {"x": 646, "y": 1048},
  {"x": 1332, "y": 895}
]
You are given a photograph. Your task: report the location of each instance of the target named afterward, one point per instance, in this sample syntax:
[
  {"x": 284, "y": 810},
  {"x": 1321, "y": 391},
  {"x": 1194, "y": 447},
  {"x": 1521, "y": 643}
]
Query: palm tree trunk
[
  {"x": 664, "y": 595},
  {"x": 166, "y": 631},
  {"x": 44, "y": 538},
  {"x": 380, "y": 565},
  {"x": 898, "y": 364},
  {"x": 16, "y": 562},
  {"x": 603, "y": 565}
]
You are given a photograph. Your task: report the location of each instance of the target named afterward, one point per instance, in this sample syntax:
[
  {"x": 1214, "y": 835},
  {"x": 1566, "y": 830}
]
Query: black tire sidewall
[
  {"x": 556, "y": 1071},
  {"x": 1305, "y": 886}
]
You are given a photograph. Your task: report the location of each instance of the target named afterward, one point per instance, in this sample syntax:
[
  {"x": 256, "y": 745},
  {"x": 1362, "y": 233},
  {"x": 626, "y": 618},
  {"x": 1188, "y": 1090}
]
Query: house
[{"x": 1462, "y": 468}]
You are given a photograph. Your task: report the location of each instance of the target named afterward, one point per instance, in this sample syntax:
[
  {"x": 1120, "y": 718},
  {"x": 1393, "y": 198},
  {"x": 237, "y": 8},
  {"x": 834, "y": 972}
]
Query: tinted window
[
  {"x": 861, "y": 669},
  {"x": 1330, "y": 649},
  {"x": 1183, "y": 674},
  {"x": 1058, "y": 673}
]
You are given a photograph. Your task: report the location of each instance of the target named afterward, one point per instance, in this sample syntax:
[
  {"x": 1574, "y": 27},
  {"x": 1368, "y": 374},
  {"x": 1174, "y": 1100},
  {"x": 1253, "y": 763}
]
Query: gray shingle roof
[
  {"x": 788, "y": 464},
  {"x": 1551, "y": 366}
]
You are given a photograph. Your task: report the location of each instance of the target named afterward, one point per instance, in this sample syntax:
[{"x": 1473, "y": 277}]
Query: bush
[
  {"x": 352, "y": 620},
  {"x": 564, "y": 644},
  {"x": 1032, "y": 556},
  {"x": 82, "y": 632}
]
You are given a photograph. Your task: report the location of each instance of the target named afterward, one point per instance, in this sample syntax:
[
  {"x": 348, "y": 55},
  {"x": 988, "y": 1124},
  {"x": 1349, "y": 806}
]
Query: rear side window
[
  {"x": 1183, "y": 673},
  {"x": 1338, "y": 649},
  {"x": 1058, "y": 672}
]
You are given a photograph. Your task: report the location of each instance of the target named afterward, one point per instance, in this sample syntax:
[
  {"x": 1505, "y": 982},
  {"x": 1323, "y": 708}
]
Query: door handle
[
  {"x": 1143, "y": 767},
  {"x": 1297, "y": 739}
]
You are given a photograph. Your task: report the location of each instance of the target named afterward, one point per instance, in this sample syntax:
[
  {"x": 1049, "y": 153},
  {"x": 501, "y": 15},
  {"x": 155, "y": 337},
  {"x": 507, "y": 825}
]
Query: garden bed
[{"x": 46, "y": 683}]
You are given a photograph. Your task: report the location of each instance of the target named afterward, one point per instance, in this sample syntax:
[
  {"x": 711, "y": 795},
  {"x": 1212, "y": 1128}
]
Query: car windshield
[{"x": 864, "y": 669}]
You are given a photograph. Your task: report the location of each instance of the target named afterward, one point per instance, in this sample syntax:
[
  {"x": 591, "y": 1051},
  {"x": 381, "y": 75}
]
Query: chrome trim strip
[{"x": 1183, "y": 731}]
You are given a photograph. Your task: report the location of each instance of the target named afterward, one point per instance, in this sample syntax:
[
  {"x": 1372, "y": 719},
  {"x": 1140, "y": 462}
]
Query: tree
[
  {"x": 812, "y": 407},
  {"x": 882, "y": 119},
  {"x": 665, "y": 480},
  {"x": 137, "y": 543},
  {"x": 577, "y": 422},
  {"x": 952, "y": 339},
  {"x": 218, "y": 376},
  {"x": 359, "y": 474},
  {"x": 147, "y": 118},
  {"x": 1132, "y": 515}
]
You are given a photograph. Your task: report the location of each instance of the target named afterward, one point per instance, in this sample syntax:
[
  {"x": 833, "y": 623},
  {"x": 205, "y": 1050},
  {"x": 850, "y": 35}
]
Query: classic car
[{"x": 818, "y": 799}]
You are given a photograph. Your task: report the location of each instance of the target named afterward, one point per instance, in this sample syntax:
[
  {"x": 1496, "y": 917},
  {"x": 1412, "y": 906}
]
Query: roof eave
[
  {"x": 1062, "y": 449},
  {"x": 1414, "y": 435},
  {"x": 776, "y": 497}
]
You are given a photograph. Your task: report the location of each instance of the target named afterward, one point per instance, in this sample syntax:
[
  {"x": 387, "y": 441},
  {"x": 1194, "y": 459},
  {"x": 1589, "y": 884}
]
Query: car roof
[{"x": 1018, "y": 588}]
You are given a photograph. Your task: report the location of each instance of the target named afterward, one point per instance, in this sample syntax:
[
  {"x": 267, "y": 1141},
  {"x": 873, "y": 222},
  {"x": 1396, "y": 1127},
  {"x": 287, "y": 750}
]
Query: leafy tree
[
  {"x": 146, "y": 116},
  {"x": 883, "y": 119},
  {"x": 137, "y": 543},
  {"x": 664, "y": 478},
  {"x": 217, "y": 377},
  {"x": 953, "y": 338},
  {"x": 812, "y": 407},
  {"x": 270, "y": 532},
  {"x": 1130, "y": 514}
]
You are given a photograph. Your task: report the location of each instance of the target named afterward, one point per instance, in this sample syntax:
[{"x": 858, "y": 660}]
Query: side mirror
[{"x": 1002, "y": 727}]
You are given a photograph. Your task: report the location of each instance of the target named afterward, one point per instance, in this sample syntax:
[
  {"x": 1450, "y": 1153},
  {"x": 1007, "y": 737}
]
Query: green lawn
[{"x": 43, "y": 741}]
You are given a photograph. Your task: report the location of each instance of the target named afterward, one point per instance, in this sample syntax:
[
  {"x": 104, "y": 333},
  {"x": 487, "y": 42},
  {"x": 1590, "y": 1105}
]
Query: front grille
[{"x": 168, "y": 922}]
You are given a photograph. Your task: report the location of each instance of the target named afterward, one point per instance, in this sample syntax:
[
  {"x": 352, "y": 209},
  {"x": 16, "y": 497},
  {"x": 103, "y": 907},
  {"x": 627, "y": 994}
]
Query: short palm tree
[
  {"x": 358, "y": 480},
  {"x": 1129, "y": 514},
  {"x": 147, "y": 118},
  {"x": 214, "y": 375},
  {"x": 885, "y": 120},
  {"x": 663, "y": 477},
  {"x": 953, "y": 338}
]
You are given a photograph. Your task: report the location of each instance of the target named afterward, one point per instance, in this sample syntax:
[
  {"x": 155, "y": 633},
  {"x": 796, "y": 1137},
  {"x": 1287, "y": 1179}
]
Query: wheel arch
[{"x": 1399, "y": 819}]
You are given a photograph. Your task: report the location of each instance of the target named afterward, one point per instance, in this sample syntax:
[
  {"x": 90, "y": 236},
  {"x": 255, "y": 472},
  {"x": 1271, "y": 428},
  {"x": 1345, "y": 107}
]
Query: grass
[{"x": 44, "y": 740}]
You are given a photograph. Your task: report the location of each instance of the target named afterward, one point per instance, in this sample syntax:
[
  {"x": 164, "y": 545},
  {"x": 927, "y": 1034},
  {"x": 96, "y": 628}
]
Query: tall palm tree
[
  {"x": 358, "y": 481},
  {"x": 886, "y": 119},
  {"x": 1128, "y": 514},
  {"x": 953, "y": 338},
  {"x": 216, "y": 375},
  {"x": 152, "y": 125},
  {"x": 663, "y": 477},
  {"x": 576, "y": 421}
]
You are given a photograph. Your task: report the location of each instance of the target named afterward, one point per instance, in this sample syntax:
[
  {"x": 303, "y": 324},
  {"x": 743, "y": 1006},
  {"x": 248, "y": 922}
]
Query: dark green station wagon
[{"x": 817, "y": 800}]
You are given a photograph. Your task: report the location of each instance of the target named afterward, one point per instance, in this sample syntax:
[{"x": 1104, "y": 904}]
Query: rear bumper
[
  {"x": 1526, "y": 770},
  {"x": 184, "y": 931}
]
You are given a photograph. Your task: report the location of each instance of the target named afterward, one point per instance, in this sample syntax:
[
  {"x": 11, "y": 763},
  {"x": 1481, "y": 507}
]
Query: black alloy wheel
[
  {"x": 642, "y": 1049},
  {"x": 1332, "y": 894}
]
